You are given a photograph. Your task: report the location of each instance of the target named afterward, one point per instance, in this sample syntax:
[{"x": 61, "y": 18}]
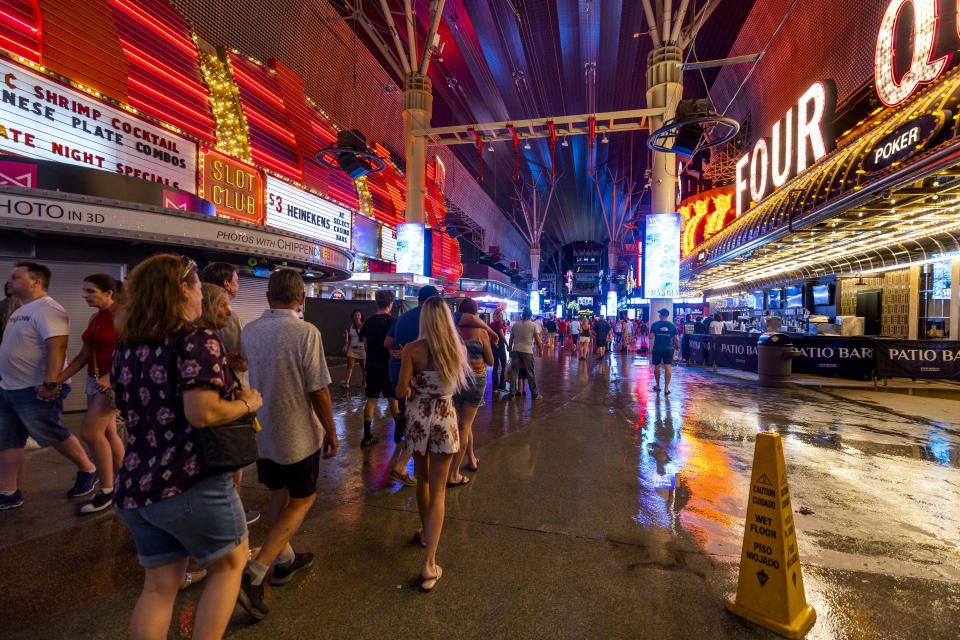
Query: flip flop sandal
[
  {"x": 475, "y": 468},
  {"x": 418, "y": 539},
  {"x": 428, "y": 584},
  {"x": 463, "y": 480},
  {"x": 192, "y": 577}
]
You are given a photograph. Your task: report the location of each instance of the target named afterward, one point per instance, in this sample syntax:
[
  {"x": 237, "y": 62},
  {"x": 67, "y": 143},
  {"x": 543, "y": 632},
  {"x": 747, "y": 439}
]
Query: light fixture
[
  {"x": 605, "y": 140},
  {"x": 565, "y": 143},
  {"x": 527, "y": 145},
  {"x": 490, "y": 147}
]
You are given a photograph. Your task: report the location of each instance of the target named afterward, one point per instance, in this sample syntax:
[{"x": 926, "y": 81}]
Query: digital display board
[
  {"x": 299, "y": 211},
  {"x": 612, "y": 302},
  {"x": 774, "y": 299},
  {"x": 41, "y": 118},
  {"x": 794, "y": 298},
  {"x": 941, "y": 281},
  {"x": 365, "y": 235},
  {"x": 388, "y": 244},
  {"x": 410, "y": 248},
  {"x": 821, "y": 294},
  {"x": 535, "y": 303},
  {"x": 661, "y": 256}
]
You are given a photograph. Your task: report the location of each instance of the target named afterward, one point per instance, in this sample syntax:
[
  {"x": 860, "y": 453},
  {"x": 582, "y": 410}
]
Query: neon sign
[
  {"x": 807, "y": 137},
  {"x": 924, "y": 69}
]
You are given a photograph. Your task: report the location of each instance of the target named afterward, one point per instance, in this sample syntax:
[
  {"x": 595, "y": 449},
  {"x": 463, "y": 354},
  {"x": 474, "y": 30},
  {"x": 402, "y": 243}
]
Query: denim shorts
[
  {"x": 472, "y": 394},
  {"x": 22, "y": 415},
  {"x": 206, "y": 521}
]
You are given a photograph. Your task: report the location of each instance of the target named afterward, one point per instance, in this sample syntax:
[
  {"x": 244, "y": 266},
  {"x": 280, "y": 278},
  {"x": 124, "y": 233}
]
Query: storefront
[{"x": 852, "y": 232}]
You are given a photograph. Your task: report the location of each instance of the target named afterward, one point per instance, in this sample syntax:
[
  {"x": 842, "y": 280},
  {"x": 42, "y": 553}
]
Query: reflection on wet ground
[{"x": 604, "y": 510}]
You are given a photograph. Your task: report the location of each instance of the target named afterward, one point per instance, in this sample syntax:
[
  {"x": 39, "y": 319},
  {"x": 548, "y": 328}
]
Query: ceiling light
[
  {"x": 527, "y": 145},
  {"x": 490, "y": 147},
  {"x": 564, "y": 143},
  {"x": 605, "y": 139}
]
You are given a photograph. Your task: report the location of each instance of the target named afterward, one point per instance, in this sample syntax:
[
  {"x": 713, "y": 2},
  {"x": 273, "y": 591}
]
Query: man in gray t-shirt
[
  {"x": 287, "y": 366},
  {"x": 523, "y": 335}
]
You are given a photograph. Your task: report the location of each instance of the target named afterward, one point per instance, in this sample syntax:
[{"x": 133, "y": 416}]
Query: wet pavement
[{"x": 602, "y": 511}]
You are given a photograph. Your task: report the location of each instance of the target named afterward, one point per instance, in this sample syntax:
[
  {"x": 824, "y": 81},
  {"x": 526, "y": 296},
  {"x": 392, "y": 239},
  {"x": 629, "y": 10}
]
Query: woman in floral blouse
[{"x": 170, "y": 378}]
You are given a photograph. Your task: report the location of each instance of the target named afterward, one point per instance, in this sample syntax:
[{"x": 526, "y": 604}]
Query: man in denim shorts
[{"x": 31, "y": 401}]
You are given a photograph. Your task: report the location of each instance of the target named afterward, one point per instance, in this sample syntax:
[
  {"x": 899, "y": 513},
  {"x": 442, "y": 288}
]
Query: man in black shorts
[
  {"x": 287, "y": 366},
  {"x": 601, "y": 331},
  {"x": 665, "y": 342},
  {"x": 373, "y": 332}
]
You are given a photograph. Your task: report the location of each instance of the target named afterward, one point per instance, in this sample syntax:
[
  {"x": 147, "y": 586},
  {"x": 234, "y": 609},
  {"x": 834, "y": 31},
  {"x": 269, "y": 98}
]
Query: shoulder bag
[{"x": 227, "y": 447}]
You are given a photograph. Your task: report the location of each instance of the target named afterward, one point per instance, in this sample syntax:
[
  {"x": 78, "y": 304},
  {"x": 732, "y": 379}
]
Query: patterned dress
[{"x": 431, "y": 417}]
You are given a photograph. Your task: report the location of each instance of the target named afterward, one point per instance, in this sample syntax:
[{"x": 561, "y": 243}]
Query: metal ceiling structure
[{"x": 511, "y": 61}]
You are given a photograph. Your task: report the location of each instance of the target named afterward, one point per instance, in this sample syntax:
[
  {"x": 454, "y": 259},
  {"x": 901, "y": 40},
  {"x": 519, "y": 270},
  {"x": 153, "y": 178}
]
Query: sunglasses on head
[{"x": 189, "y": 265}]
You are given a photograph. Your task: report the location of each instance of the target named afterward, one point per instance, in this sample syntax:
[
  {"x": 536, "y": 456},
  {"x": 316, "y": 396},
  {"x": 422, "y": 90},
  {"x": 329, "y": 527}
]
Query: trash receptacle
[{"x": 774, "y": 359}]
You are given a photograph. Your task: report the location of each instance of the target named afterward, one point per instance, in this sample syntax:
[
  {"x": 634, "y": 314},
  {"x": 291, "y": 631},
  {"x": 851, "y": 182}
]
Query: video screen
[
  {"x": 365, "y": 237},
  {"x": 941, "y": 281},
  {"x": 794, "y": 297},
  {"x": 774, "y": 301},
  {"x": 821, "y": 294},
  {"x": 755, "y": 301}
]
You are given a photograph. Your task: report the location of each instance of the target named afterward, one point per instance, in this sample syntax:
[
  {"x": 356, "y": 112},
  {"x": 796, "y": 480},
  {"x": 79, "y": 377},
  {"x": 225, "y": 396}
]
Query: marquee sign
[
  {"x": 904, "y": 141},
  {"x": 41, "y": 118},
  {"x": 74, "y": 217},
  {"x": 303, "y": 212},
  {"x": 924, "y": 68},
  {"x": 797, "y": 141},
  {"x": 235, "y": 188}
]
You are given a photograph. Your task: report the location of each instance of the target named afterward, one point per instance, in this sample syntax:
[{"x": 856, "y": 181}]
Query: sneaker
[
  {"x": 403, "y": 478},
  {"x": 85, "y": 484},
  {"x": 251, "y": 516},
  {"x": 367, "y": 441},
  {"x": 283, "y": 575},
  {"x": 99, "y": 502},
  {"x": 11, "y": 501},
  {"x": 250, "y": 598},
  {"x": 539, "y": 396}
]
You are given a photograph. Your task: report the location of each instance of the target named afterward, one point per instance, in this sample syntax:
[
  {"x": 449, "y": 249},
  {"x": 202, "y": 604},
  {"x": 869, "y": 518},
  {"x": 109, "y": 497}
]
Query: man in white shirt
[
  {"x": 523, "y": 335},
  {"x": 574, "y": 328},
  {"x": 287, "y": 366},
  {"x": 32, "y": 354},
  {"x": 715, "y": 329}
]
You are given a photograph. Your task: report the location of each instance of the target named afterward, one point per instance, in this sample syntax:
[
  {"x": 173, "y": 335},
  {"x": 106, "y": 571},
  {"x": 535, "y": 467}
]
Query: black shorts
[
  {"x": 300, "y": 478},
  {"x": 661, "y": 356},
  {"x": 378, "y": 384}
]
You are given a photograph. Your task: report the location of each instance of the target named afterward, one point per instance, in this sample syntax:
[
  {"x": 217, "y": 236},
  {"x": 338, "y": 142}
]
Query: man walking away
[
  {"x": 665, "y": 342},
  {"x": 374, "y": 334},
  {"x": 551, "y": 326},
  {"x": 32, "y": 355},
  {"x": 225, "y": 276},
  {"x": 574, "y": 328},
  {"x": 601, "y": 331},
  {"x": 715, "y": 329},
  {"x": 287, "y": 366},
  {"x": 523, "y": 336}
]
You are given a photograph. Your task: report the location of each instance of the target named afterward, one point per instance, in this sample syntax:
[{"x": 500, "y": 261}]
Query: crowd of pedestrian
[{"x": 172, "y": 371}]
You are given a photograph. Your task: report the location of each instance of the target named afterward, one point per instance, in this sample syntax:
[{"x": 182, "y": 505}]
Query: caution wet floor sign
[{"x": 770, "y": 588}]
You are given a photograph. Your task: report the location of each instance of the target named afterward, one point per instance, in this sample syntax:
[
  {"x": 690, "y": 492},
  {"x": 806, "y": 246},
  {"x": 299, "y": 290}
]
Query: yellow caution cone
[{"x": 770, "y": 588}]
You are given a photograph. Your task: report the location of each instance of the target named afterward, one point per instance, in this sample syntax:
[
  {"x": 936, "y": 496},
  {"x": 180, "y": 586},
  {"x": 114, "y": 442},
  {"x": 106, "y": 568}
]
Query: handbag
[{"x": 227, "y": 447}]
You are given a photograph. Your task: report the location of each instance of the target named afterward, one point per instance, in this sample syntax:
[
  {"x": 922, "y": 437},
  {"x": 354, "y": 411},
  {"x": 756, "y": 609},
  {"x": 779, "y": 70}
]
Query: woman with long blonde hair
[{"x": 432, "y": 369}]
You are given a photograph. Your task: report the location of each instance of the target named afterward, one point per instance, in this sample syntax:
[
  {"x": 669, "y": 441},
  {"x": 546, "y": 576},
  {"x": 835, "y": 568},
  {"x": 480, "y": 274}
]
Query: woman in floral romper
[{"x": 432, "y": 369}]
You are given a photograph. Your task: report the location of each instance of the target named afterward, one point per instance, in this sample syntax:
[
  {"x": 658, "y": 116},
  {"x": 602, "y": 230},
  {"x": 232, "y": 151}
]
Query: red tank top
[{"x": 102, "y": 339}]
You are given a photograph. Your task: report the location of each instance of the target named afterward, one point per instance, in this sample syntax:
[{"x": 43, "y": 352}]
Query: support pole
[
  {"x": 417, "y": 110},
  {"x": 664, "y": 90}
]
